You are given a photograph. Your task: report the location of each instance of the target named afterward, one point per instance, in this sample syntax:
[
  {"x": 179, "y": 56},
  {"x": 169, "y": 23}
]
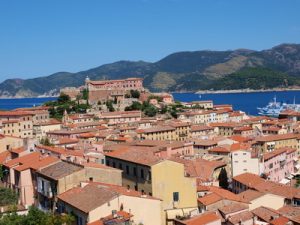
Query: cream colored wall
[
  {"x": 241, "y": 163},
  {"x": 267, "y": 200},
  {"x": 48, "y": 128},
  {"x": 70, "y": 181},
  {"x": 13, "y": 142},
  {"x": 168, "y": 177},
  {"x": 109, "y": 176},
  {"x": 145, "y": 211}
]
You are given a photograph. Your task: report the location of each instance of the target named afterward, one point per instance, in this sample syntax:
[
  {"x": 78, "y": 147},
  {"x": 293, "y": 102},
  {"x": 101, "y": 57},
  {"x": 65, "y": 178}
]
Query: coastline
[
  {"x": 245, "y": 91},
  {"x": 20, "y": 97}
]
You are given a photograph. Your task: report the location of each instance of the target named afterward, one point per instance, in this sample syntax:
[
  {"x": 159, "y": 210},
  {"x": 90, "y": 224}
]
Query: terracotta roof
[
  {"x": 16, "y": 113},
  {"x": 18, "y": 150},
  {"x": 88, "y": 198},
  {"x": 250, "y": 195},
  {"x": 199, "y": 168},
  {"x": 249, "y": 179},
  {"x": 140, "y": 155},
  {"x": 293, "y": 213},
  {"x": 240, "y": 217},
  {"x": 276, "y": 137},
  {"x": 202, "y": 219},
  {"x": 60, "y": 169},
  {"x": 233, "y": 208},
  {"x": 64, "y": 141},
  {"x": 205, "y": 142},
  {"x": 265, "y": 214},
  {"x": 239, "y": 138},
  {"x": 94, "y": 194},
  {"x": 98, "y": 165},
  {"x": 219, "y": 149},
  {"x": 280, "y": 221},
  {"x": 210, "y": 199},
  {"x": 200, "y": 128},
  {"x": 4, "y": 156},
  {"x": 157, "y": 129},
  {"x": 118, "y": 218}
]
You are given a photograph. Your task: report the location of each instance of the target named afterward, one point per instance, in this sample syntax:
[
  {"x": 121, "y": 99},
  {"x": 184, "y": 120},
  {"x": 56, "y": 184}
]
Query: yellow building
[
  {"x": 271, "y": 142},
  {"x": 163, "y": 179},
  {"x": 17, "y": 123},
  {"x": 159, "y": 133}
]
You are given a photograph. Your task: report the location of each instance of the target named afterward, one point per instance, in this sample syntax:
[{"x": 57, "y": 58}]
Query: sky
[{"x": 41, "y": 37}]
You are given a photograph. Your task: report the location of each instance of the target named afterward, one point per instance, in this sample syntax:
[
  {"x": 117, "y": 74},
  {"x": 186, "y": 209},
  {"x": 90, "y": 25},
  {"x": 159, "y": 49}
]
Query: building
[
  {"x": 243, "y": 161},
  {"x": 21, "y": 172},
  {"x": 269, "y": 143},
  {"x": 163, "y": 179},
  {"x": 279, "y": 163},
  {"x": 17, "y": 123},
  {"x": 92, "y": 201}
]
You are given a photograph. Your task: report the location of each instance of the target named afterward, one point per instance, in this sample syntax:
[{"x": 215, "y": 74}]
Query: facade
[
  {"x": 279, "y": 164},
  {"x": 242, "y": 161},
  {"x": 269, "y": 143},
  {"x": 17, "y": 123},
  {"x": 92, "y": 201},
  {"x": 163, "y": 179}
]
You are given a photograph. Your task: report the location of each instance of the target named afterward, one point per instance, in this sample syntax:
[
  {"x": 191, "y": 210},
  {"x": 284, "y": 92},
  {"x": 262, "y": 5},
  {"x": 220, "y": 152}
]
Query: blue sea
[
  {"x": 247, "y": 102},
  {"x": 8, "y": 104}
]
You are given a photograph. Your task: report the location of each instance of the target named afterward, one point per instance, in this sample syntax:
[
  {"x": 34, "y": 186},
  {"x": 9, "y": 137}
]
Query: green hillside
[{"x": 182, "y": 71}]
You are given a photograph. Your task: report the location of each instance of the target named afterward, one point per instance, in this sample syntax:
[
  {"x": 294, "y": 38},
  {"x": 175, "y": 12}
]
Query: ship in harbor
[{"x": 274, "y": 108}]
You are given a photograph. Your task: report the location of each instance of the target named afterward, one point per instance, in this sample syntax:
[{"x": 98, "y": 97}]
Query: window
[
  {"x": 175, "y": 196},
  {"x": 142, "y": 173},
  {"x": 114, "y": 165},
  {"x": 120, "y": 166},
  {"x": 127, "y": 169},
  {"x": 134, "y": 171},
  {"x": 149, "y": 175}
]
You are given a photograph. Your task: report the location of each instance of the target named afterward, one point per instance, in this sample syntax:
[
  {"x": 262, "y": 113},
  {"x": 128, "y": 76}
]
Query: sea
[{"x": 247, "y": 102}]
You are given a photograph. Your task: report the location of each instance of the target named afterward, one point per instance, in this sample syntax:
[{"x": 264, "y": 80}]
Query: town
[{"x": 112, "y": 152}]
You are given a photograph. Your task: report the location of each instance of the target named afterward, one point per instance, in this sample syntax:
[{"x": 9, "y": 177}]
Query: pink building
[
  {"x": 279, "y": 163},
  {"x": 21, "y": 172},
  {"x": 126, "y": 84}
]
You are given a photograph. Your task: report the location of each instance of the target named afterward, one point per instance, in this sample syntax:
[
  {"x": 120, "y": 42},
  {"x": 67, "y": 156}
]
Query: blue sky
[{"x": 38, "y": 38}]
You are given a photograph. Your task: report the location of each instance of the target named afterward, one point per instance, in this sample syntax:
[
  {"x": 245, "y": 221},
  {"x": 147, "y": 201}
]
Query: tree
[
  {"x": 109, "y": 105},
  {"x": 36, "y": 217},
  {"x": 134, "y": 106},
  {"x": 85, "y": 94},
  {"x": 150, "y": 111},
  {"x": 223, "y": 179},
  {"x": 8, "y": 197},
  {"x": 135, "y": 93},
  {"x": 63, "y": 98}
]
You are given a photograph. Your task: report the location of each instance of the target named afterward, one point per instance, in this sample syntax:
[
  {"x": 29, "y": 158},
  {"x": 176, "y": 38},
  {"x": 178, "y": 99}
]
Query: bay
[
  {"x": 247, "y": 102},
  {"x": 14, "y": 103}
]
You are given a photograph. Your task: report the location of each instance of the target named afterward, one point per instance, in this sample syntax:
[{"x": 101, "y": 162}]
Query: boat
[{"x": 274, "y": 108}]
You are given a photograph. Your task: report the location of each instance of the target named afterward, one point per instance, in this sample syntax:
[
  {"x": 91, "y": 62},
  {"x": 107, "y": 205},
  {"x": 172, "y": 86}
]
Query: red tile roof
[{"x": 202, "y": 219}]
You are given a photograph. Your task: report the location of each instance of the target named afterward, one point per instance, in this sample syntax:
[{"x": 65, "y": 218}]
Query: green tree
[
  {"x": 223, "y": 179},
  {"x": 63, "y": 98},
  {"x": 85, "y": 94},
  {"x": 135, "y": 93},
  {"x": 150, "y": 111},
  {"x": 109, "y": 105},
  {"x": 8, "y": 197},
  {"x": 134, "y": 106}
]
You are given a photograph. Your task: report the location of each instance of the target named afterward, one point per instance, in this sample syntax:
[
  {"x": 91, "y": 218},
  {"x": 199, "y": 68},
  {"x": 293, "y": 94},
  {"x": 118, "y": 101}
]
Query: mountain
[{"x": 181, "y": 71}]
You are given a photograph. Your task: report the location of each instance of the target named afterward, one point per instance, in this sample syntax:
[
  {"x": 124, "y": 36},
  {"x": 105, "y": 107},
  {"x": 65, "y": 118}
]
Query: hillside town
[{"x": 112, "y": 152}]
